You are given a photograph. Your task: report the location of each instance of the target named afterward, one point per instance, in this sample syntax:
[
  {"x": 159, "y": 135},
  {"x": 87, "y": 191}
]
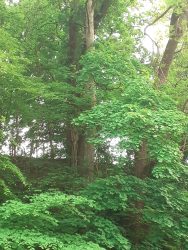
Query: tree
[{"x": 55, "y": 49}]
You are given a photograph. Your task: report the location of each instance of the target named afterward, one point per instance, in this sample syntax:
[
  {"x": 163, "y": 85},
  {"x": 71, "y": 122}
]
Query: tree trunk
[
  {"x": 175, "y": 34},
  {"x": 86, "y": 151},
  {"x": 86, "y": 157},
  {"x": 90, "y": 29},
  {"x": 50, "y": 137},
  {"x": 141, "y": 164},
  {"x": 72, "y": 137},
  {"x": 142, "y": 169},
  {"x": 80, "y": 153}
]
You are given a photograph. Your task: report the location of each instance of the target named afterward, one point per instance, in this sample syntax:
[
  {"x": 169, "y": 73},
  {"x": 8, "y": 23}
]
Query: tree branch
[{"x": 157, "y": 18}]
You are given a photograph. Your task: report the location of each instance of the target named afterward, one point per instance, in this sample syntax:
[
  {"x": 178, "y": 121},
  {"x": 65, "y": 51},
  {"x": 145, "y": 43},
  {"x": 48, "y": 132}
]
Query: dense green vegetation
[{"x": 93, "y": 126}]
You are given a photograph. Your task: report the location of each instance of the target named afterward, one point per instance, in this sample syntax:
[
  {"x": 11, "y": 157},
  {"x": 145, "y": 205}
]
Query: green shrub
[{"x": 57, "y": 221}]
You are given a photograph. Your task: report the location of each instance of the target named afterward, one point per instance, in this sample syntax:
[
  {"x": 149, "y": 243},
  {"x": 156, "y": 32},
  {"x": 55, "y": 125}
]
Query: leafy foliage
[
  {"x": 11, "y": 176},
  {"x": 141, "y": 113},
  {"x": 57, "y": 221},
  {"x": 164, "y": 214}
]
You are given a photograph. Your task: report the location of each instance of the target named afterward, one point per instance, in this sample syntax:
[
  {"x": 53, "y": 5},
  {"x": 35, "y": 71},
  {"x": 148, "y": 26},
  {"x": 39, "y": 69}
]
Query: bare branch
[{"x": 158, "y": 18}]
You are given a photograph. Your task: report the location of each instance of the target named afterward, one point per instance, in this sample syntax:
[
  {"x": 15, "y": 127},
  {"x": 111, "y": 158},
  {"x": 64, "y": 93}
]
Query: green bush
[{"x": 57, "y": 221}]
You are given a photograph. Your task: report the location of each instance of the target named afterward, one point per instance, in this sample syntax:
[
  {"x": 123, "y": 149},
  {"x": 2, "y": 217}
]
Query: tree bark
[
  {"x": 142, "y": 169},
  {"x": 175, "y": 34},
  {"x": 86, "y": 152},
  {"x": 141, "y": 164},
  {"x": 72, "y": 136},
  {"x": 74, "y": 54},
  {"x": 90, "y": 30},
  {"x": 80, "y": 152}
]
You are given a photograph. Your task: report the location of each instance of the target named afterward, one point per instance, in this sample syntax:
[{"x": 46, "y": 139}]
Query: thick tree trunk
[
  {"x": 86, "y": 154},
  {"x": 86, "y": 151},
  {"x": 79, "y": 151}
]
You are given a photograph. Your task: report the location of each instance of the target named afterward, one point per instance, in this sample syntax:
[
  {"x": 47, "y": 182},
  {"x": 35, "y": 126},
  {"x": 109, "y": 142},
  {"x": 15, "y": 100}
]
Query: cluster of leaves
[
  {"x": 57, "y": 221},
  {"x": 163, "y": 216}
]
